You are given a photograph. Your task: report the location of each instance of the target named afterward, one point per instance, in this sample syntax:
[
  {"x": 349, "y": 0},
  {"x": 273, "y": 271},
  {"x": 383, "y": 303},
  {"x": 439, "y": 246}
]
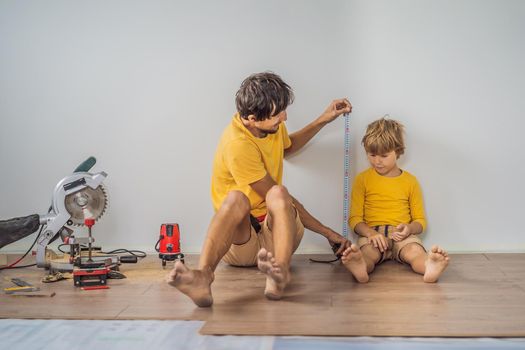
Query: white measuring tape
[{"x": 346, "y": 178}]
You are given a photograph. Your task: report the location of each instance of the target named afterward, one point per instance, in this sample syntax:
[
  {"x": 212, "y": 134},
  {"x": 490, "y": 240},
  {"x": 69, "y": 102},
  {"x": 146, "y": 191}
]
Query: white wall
[
  {"x": 453, "y": 73},
  {"x": 148, "y": 86}
]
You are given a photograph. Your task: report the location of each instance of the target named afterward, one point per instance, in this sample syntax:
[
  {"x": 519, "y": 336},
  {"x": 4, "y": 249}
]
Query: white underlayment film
[{"x": 178, "y": 335}]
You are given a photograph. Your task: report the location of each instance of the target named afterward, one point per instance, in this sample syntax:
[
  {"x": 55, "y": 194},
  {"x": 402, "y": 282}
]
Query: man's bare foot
[
  {"x": 354, "y": 262},
  {"x": 193, "y": 283},
  {"x": 277, "y": 277},
  {"x": 435, "y": 264}
]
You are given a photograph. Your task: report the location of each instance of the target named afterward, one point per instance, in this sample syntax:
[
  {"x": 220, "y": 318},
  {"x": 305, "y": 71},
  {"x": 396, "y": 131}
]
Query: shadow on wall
[{"x": 439, "y": 169}]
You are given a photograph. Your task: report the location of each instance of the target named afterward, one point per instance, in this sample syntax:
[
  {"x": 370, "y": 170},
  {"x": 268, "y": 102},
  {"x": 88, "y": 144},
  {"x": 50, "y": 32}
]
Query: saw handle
[
  {"x": 86, "y": 165},
  {"x": 17, "y": 228}
]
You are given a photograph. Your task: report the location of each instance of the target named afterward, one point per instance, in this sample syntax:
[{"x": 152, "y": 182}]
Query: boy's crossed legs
[
  {"x": 231, "y": 225},
  {"x": 361, "y": 262}
]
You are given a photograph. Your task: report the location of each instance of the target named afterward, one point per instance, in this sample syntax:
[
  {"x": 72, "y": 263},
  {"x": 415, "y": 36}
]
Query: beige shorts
[
  {"x": 393, "y": 247},
  {"x": 246, "y": 254}
]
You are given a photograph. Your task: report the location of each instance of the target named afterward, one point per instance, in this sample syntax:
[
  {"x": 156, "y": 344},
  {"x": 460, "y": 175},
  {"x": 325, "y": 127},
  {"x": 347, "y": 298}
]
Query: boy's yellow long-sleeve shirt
[{"x": 381, "y": 200}]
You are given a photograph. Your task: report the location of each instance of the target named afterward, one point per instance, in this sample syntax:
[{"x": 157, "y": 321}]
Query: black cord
[
  {"x": 117, "y": 275},
  {"x": 335, "y": 248},
  {"x": 325, "y": 261},
  {"x": 137, "y": 253},
  {"x": 32, "y": 245},
  {"x": 17, "y": 267},
  {"x": 63, "y": 244}
]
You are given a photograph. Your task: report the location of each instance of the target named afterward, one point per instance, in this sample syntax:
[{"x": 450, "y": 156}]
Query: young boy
[{"x": 387, "y": 210}]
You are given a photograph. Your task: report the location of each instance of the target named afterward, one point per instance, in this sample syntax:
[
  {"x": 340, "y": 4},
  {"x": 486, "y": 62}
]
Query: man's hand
[
  {"x": 301, "y": 137},
  {"x": 379, "y": 241},
  {"x": 401, "y": 232},
  {"x": 335, "y": 109},
  {"x": 334, "y": 238}
]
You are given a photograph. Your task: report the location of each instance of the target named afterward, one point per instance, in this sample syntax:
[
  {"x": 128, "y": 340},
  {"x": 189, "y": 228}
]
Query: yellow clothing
[
  {"x": 381, "y": 200},
  {"x": 242, "y": 159}
]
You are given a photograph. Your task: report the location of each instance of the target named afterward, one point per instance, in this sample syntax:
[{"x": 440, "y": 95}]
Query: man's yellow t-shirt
[
  {"x": 242, "y": 159},
  {"x": 381, "y": 200}
]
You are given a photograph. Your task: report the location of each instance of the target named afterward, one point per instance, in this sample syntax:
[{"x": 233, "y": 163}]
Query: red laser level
[{"x": 168, "y": 244}]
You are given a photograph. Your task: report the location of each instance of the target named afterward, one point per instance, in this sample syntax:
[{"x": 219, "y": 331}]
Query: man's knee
[
  {"x": 236, "y": 202},
  {"x": 278, "y": 198}
]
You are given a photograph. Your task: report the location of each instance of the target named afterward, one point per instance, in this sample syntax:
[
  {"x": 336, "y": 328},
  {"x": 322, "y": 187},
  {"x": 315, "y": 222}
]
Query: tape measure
[{"x": 346, "y": 178}]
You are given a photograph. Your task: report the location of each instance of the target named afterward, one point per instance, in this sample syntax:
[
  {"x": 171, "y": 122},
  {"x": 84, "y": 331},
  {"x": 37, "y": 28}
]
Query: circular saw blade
[{"x": 85, "y": 203}]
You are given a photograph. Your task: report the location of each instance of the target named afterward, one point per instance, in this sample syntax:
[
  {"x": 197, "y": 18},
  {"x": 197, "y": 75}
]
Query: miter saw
[{"x": 76, "y": 198}]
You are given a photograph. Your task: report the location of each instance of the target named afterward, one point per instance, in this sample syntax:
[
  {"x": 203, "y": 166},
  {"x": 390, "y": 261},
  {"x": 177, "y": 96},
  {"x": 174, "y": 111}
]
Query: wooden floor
[{"x": 480, "y": 295}]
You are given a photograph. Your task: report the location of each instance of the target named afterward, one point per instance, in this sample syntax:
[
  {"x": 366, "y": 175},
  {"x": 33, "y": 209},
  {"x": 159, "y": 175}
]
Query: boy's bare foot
[
  {"x": 193, "y": 283},
  {"x": 354, "y": 262},
  {"x": 435, "y": 264},
  {"x": 276, "y": 277}
]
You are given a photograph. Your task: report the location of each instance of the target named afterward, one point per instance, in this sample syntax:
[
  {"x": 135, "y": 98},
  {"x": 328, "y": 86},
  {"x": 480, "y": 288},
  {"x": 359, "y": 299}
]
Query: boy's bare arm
[
  {"x": 402, "y": 231},
  {"x": 364, "y": 230}
]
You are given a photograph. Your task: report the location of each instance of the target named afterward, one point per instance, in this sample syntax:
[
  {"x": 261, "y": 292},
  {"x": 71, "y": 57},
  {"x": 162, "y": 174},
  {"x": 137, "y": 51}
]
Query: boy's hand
[
  {"x": 334, "y": 238},
  {"x": 402, "y": 231},
  {"x": 335, "y": 109},
  {"x": 379, "y": 241}
]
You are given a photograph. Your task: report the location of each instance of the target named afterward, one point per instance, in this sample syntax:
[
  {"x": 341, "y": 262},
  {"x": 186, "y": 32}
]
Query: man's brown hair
[{"x": 263, "y": 95}]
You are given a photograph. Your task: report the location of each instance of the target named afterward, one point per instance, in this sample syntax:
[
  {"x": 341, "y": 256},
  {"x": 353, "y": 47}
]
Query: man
[{"x": 256, "y": 222}]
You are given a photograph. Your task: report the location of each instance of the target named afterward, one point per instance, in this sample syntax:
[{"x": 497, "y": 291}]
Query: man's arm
[
  {"x": 301, "y": 137},
  {"x": 315, "y": 225},
  {"x": 263, "y": 186}
]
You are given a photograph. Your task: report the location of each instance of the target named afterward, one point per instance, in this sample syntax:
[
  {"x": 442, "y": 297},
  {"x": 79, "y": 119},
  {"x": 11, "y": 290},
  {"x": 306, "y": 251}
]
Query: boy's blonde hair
[{"x": 384, "y": 136}]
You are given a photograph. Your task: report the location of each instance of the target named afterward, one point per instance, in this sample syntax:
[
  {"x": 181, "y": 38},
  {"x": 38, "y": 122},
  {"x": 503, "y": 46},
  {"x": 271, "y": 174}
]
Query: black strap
[
  {"x": 386, "y": 229},
  {"x": 335, "y": 248},
  {"x": 255, "y": 223},
  {"x": 325, "y": 261}
]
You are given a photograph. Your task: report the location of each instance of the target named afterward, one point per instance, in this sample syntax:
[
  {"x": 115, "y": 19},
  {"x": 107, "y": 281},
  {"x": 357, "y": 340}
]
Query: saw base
[{"x": 64, "y": 263}]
